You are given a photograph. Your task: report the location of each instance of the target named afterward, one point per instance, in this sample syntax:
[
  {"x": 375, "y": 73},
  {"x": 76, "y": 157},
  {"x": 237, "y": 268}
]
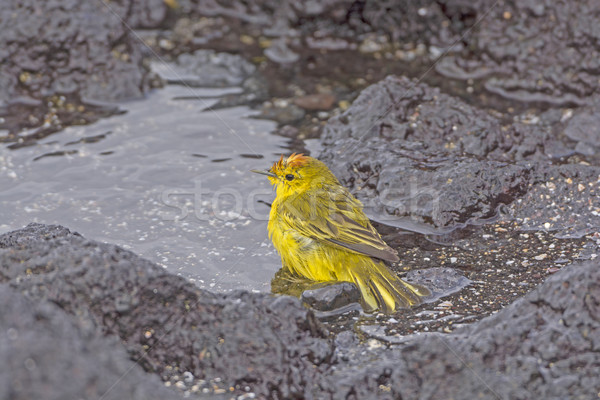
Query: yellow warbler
[{"x": 322, "y": 234}]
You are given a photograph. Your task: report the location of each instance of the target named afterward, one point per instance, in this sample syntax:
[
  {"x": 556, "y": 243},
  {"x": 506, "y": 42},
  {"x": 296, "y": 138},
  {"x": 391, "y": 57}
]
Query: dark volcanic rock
[
  {"x": 530, "y": 51},
  {"x": 46, "y": 355},
  {"x": 171, "y": 326},
  {"x": 443, "y": 162},
  {"x": 146, "y": 13},
  {"x": 429, "y": 150},
  {"x": 207, "y": 68},
  {"x": 332, "y": 296},
  {"x": 545, "y": 345},
  {"x": 445, "y": 192},
  {"x": 68, "y": 46},
  {"x": 561, "y": 198},
  {"x": 584, "y": 127},
  {"x": 400, "y": 19},
  {"x": 400, "y": 110}
]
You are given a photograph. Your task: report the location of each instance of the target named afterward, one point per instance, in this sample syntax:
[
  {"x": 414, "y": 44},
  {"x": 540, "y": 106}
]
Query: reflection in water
[
  {"x": 284, "y": 282},
  {"x": 148, "y": 180}
]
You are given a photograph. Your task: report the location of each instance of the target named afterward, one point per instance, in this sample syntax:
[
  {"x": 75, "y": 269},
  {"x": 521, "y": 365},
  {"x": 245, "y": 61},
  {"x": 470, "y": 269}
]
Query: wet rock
[
  {"x": 254, "y": 92},
  {"x": 562, "y": 199},
  {"x": 52, "y": 113},
  {"x": 329, "y": 43},
  {"x": 332, "y": 296},
  {"x": 68, "y": 47},
  {"x": 530, "y": 51},
  {"x": 47, "y": 355},
  {"x": 401, "y": 20},
  {"x": 188, "y": 33},
  {"x": 584, "y": 127},
  {"x": 445, "y": 193},
  {"x": 542, "y": 346},
  {"x": 400, "y": 110},
  {"x": 288, "y": 131},
  {"x": 280, "y": 53},
  {"x": 237, "y": 340},
  {"x": 410, "y": 152},
  {"x": 206, "y": 68},
  {"x": 282, "y": 111},
  {"x": 429, "y": 150},
  {"x": 441, "y": 281},
  {"x": 148, "y": 13},
  {"x": 70, "y": 57}
]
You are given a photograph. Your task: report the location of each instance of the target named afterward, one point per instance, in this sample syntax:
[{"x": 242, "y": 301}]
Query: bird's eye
[{"x": 289, "y": 177}]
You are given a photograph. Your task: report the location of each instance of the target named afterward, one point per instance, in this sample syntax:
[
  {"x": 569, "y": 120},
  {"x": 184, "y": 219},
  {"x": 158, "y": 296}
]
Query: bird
[{"x": 322, "y": 233}]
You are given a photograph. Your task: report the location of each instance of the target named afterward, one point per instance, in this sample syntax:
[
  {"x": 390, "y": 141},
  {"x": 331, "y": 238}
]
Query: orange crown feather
[{"x": 295, "y": 160}]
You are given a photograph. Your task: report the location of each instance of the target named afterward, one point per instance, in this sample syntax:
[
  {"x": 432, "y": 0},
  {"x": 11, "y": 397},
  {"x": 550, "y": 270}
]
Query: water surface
[{"x": 167, "y": 180}]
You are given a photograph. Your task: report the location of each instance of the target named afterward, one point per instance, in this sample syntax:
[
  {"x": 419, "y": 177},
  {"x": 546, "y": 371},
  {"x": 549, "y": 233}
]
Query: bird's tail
[{"x": 383, "y": 290}]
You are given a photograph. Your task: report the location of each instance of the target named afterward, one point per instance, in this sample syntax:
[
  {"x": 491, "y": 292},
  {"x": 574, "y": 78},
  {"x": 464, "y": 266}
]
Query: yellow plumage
[{"x": 322, "y": 234}]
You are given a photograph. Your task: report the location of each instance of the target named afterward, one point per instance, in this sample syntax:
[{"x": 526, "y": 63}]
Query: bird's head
[{"x": 298, "y": 173}]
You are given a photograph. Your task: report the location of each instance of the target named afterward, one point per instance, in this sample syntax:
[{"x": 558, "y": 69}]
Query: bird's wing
[{"x": 334, "y": 216}]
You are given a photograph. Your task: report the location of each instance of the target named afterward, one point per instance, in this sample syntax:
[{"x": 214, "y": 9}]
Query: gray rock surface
[
  {"x": 59, "y": 291},
  {"x": 529, "y": 51},
  {"x": 166, "y": 323},
  {"x": 47, "y": 355},
  {"x": 442, "y": 162},
  {"x": 545, "y": 345},
  {"x": 526, "y": 51},
  {"x": 331, "y": 296},
  {"x": 401, "y": 19},
  {"x": 398, "y": 110},
  {"x": 206, "y": 68},
  {"x": 68, "y": 46}
]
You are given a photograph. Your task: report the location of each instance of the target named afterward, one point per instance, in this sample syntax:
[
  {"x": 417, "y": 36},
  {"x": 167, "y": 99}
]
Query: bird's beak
[{"x": 267, "y": 173}]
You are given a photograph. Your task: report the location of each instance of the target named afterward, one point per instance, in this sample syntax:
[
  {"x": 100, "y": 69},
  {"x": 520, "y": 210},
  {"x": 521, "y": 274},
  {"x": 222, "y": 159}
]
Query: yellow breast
[{"x": 300, "y": 254}]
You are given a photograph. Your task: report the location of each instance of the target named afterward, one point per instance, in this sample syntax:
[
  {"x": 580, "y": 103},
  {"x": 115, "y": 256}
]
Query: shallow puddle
[{"x": 167, "y": 180}]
